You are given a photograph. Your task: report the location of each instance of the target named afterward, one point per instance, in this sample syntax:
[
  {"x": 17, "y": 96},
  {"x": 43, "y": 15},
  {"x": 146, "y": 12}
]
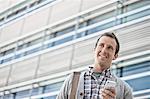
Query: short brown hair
[{"x": 112, "y": 35}]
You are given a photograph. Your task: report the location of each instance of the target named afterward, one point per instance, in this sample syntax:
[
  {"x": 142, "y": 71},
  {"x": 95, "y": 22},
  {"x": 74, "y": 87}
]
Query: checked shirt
[{"x": 94, "y": 83}]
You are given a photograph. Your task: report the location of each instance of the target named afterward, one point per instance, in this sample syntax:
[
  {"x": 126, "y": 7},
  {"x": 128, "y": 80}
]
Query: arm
[
  {"x": 65, "y": 89},
  {"x": 128, "y": 92}
]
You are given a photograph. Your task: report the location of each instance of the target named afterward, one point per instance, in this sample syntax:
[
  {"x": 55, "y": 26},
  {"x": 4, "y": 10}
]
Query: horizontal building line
[
  {"x": 141, "y": 92},
  {"x": 78, "y": 40}
]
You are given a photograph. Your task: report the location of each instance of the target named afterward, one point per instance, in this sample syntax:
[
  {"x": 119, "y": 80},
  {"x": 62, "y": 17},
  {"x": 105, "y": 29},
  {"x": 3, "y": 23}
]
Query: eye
[
  {"x": 110, "y": 47},
  {"x": 101, "y": 45}
]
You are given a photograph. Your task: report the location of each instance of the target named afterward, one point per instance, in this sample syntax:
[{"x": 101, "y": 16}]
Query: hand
[{"x": 108, "y": 93}]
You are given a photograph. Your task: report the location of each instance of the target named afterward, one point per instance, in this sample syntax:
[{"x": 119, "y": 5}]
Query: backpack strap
[{"x": 75, "y": 81}]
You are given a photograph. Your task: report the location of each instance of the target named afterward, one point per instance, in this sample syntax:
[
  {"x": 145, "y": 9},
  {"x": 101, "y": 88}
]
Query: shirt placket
[{"x": 96, "y": 87}]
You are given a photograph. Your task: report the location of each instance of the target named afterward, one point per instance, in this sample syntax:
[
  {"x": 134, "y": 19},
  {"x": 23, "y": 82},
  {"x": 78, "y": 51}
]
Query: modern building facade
[{"x": 42, "y": 41}]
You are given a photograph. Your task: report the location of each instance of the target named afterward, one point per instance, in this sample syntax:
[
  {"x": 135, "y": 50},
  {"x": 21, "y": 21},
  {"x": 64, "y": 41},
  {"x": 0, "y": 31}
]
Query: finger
[
  {"x": 109, "y": 93},
  {"x": 110, "y": 89},
  {"x": 105, "y": 96}
]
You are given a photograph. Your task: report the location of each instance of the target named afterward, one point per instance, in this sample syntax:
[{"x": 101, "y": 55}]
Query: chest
[{"x": 93, "y": 86}]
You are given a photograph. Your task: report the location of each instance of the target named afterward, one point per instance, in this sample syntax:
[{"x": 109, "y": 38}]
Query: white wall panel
[
  {"x": 11, "y": 31},
  {"x": 4, "y": 72},
  {"x": 86, "y": 4},
  {"x": 84, "y": 52},
  {"x": 23, "y": 70},
  {"x": 35, "y": 21},
  {"x": 57, "y": 60},
  {"x": 134, "y": 38},
  {"x": 12, "y": 2},
  {"x": 4, "y": 4},
  {"x": 64, "y": 9}
]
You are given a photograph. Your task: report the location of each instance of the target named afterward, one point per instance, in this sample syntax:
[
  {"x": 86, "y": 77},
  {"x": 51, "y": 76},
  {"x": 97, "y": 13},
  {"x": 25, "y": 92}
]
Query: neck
[{"x": 99, "y": 68}]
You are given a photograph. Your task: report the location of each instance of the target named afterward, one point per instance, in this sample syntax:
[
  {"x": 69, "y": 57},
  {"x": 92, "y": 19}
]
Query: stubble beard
[{"x": 103, "y": 65}]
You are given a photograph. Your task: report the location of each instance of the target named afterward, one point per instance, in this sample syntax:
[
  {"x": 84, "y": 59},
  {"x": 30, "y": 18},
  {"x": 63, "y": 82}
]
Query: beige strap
[{"x": 75, "y": 81}]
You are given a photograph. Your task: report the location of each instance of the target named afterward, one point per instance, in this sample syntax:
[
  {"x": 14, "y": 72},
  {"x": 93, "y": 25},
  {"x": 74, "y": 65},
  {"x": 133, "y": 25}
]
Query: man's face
[{"x": 105, "y": 51}]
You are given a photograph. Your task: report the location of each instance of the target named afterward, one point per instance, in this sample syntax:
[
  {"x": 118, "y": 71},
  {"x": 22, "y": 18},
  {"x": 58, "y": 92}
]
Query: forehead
[{"x": 107, "y": 40}]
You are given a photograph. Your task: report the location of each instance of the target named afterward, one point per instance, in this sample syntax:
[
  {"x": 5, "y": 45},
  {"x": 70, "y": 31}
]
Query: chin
[{"x": 102, "y": 64}]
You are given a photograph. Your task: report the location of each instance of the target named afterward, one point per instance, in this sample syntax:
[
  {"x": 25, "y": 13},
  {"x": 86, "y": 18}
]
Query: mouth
[{"x": 102, "y": 56}]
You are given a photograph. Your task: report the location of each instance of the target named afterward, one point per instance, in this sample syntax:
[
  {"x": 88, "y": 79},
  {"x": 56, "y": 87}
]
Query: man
[{"x": 91, "y": 82}]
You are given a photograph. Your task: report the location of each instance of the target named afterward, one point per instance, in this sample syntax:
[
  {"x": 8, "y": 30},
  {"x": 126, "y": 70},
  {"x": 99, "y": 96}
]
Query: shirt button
[{"x": 81, "y": 94}]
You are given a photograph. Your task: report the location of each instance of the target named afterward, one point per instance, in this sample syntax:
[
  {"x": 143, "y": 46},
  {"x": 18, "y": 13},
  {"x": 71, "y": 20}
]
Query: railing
[
  {"x": 73, "y": 33},
  {"x": 63, "y": 74},
  {"x": 23, "y": 9},
  {"x": 140, "y": 94}
]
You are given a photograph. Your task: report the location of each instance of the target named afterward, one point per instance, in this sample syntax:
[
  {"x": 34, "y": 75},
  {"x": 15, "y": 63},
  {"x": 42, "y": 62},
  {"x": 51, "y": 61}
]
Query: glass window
[
  {"x": 20, "y": 47},
  {"x": 37, "y": 91},
  {"x": 40, "y": 1},
  {"x": 7, "y": 59},
  {"x": 21, "y": 10},
  {"x": 64, "y": 40},
  {"x": 22, "y": 94},
  {"x": 135, "y": 6},
  {"x": 81, "y": 25},
  {"x": 48, "y": 38},
  {"x": 64, "y": 31},
  {"x": 33, "y": 50},
  {"x": 138, "y": 15},
  {"x": 53, "y": 87},
  {"x": 102, "y": 17},
  {"x": 140, "y": 3},
  {"x": 1, "y": 55},
  {"x": 6, "y": 53},
  {"x": 81, "y": 34},
  {"x": 33, "y": 4},
  {"x": 9, "y": 51},
  {"x": 118, "y": 71},
  {"x": 2, "y": 19},
  {"x": 14, "y": 12},
  {"x": 11, "y": 15},
  {"x": 51, "y": 97},
  {"x": 140, "y": 83},
  {"x": 8, "y": 96},
  {"x": 142, "y": 94},
  {"x": 36, "y": 41},
  {"x": 101, "y": 27},
  {"x": 1, "y": 97},
  {"x": 137, "y": 68}
]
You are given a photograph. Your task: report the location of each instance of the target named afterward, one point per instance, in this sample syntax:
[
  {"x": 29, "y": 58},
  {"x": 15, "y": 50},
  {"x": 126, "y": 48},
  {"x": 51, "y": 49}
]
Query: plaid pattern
[{"x": 93, "y": 84}]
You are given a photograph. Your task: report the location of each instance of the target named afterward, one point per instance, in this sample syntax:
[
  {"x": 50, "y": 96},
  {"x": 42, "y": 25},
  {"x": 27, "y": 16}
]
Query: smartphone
[{"x": 110, "y": 84}]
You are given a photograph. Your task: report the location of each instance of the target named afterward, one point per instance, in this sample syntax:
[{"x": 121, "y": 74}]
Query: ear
[{"x": 115, "y": 56}]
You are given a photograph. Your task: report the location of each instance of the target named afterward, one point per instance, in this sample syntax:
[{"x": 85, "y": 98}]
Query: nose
[{"x": 103, "y": 50}]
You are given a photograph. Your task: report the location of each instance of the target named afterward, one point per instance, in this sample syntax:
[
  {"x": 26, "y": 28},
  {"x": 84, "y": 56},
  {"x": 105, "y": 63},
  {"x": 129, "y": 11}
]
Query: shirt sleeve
[
  {"x": 128, "y": 92},
  {"x": 65, "y": 89}
]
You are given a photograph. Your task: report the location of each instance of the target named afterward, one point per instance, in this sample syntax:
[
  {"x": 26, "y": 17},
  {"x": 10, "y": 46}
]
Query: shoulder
[
  {"x": 70, "y": 77},
  {"x": 125, "y": 87},
  {"x": 124, "y": 84}
]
